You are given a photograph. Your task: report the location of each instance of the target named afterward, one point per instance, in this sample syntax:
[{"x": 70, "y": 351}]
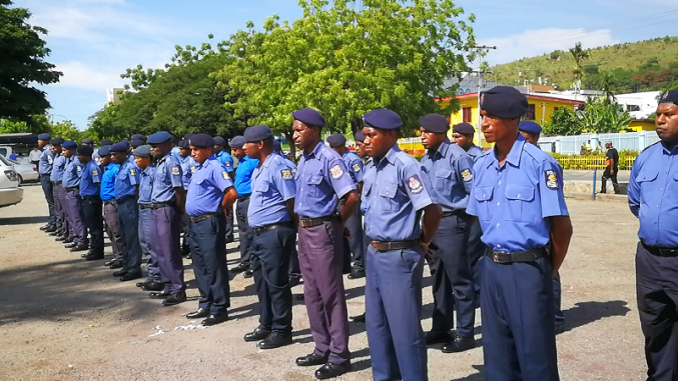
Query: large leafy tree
[
  {"x": 580, "y": 55},
  {"x": 22, "y": 64}
]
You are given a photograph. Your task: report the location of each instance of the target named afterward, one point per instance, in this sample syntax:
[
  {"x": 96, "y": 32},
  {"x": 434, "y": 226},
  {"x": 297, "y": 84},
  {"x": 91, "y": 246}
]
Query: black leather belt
[
  {"x": 456, "y": 212},
  {"x": 516, "y": 256},
  {"x": 72, "y": 189},
  {"x": 266, "y": 228},
  {"x": 156, "y": 205},
  {"x": 660, "y": 251},
  {"x": 243, "y": 198},
  {"x": 57, "y": 183},
  {"x": 395, "y": 245},
  {"x": 306, "y": 222},
  {"x": 203, "y": 217},
  {"x": 111, "y": 201}
]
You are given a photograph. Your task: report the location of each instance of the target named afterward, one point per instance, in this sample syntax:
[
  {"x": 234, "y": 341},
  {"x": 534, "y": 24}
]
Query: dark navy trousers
[
  {"x": 393, "y": 312},
  {"x": 208, "y": 254},
  {"x": 46, "y": 184},
  {"x": 270, "y": 261},
  {"x": 244, "y": 231},
  {"x": 657, "y": 295},
  {"x": 128, "y": 219},
  {"x": 557, "y": 296},
  {"x": 476, "y": 250},
  {"x": 453, "y": 285},
  {"x": 519, "y": 340},
  {"x": 94, "y": 220},
  {"x": 356, "y": 239}
]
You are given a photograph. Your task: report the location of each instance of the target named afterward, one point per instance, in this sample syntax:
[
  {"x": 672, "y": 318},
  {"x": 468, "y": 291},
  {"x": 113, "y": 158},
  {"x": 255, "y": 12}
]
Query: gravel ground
[{"x": 64, "y": 319}]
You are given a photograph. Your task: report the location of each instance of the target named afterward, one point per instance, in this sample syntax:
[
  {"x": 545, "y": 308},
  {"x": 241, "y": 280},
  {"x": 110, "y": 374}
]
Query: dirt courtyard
[{"x": 65, "y": 319}]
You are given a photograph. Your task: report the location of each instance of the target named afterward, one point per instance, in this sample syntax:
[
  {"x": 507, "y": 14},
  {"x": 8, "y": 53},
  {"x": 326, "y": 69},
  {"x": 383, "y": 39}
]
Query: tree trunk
[{"x": 293, "y": 150}]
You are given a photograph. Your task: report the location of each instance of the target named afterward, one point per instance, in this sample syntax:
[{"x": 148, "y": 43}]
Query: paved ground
[{"x": 64, "y": 319}]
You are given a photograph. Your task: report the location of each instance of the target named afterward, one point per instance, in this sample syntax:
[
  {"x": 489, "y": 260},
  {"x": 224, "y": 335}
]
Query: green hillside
[{"x": 629, "y": 62}]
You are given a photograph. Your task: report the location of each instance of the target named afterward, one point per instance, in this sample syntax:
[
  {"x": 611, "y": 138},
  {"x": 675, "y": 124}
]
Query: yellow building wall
[{"x": 641, "y": 125}]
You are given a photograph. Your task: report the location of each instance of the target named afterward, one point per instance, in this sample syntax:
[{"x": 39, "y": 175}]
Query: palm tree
[
  {"x": 579, "y": 55},
  {"x": 608, "y": 86}
]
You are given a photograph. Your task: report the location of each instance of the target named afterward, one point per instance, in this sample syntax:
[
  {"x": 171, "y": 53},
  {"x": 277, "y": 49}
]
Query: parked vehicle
[
  {"x": 10, "y": 192},
  {"x": 27, "y": 172}
]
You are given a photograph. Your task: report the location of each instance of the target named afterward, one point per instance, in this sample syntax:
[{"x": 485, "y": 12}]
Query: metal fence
[{"x": 572, "y": 145}]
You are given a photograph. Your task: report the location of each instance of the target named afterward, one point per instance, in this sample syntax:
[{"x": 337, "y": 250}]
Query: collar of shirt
[
  {"x": 111, "y": 166},
  {"x": 442, "y": 150},
  {"x": 513, "y": 156},
  {"x": 316, "y": 150},
  {"x": 390, "y": 156},
  {"x": 206, "y": 163},
  {"x": 666, "y": 151}
]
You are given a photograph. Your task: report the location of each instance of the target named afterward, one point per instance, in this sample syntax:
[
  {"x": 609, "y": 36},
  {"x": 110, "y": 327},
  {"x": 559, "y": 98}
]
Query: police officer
[
  {"x": 518, "y": 198},
  {"x": 450, "y": 172},
  {"x": 653, "y": 198},
  {"x": 155, "y": 280},
  {"x": 136, "y": 144},
  {"x": 270, "y": 216},
  {"x": 45, "y": 170},
  {"x": 395, "y": 193},
  {"x": 354, "y": 225},
  {"x": 168, "y": 199},
  {"x": 90, "y": 179},
  {"x": 58, "y": 165},
  {"x": 72, "y": 198},
  {"x": 136, "y": 137},
  {"x": 110, "y": 206},
  {"x": 188, "y": 166},
  {"x": 322, "y": 180},
  {"x": 531, "y": 132},
  {"x": 95, "y": 153},
  {"x": 295, "y": 270},
  {"x": 243, "y": 179},
  {"x": 125, "y": 186},
  {"x": 463, "y": 136},
  {"x": 227, "y": 161}
]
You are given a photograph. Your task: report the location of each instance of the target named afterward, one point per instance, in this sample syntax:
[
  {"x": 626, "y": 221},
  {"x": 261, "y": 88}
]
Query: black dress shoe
[
  {"x": 127, "y": 277},
  {"x": 67, "y": 240},
  {"x": 55, "y": 233},
  {"x": 159, "y": 295},
  {"x": 300, "y": 297},
  {"x": 256, "y": 335},
  {"x": 94, "y": 256},
  {"x": 213, "y": 319},
  {"x": 459, "y": 344},
  {"x": 60, "y": 239},
  {"x": 115, "y": 265},
  {"x": 108, "y": 263},
  {"x": 119, "y": 273},
  {"x": 83, "y": 255},
  {"x": 356, "y": 273},
  {"x": 294, "y": 281},
  {"x": 312, "y": 360},
  {"x": 240, "y": 268},
  {"x": 77, "y": 248},
  {"x": 176, "y": 298},
  {"x": 69, "y": 244},
  {"x": 43, "y": 228},
  {"x": 332, "y": 370},
  {"x": 145, "y": 282},
  {"x": 153, "y": 286},
  {"x": 50, "y": 229},
  {"x": 358, "y": 319},
  {"x": 248, "y": 274},
  {"x": 275, "y": 340},
  {"x": 198, "y": 314},
  {"x": 437, "y": 337}
]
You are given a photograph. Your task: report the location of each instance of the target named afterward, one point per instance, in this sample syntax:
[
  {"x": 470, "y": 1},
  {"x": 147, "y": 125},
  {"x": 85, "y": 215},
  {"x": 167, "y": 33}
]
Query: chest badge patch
[
  {"x": 415, "y": 185},
  {"x": 551, "y": 179},
  {"x": 356, "y": 167},
  {"x": 224, "y": 174},
  {"x": 466, "y": 175},
  {"x": 286, "y": 174},
  {"x": 336, "y": 172},
  {"x": 175, "y": 170}
]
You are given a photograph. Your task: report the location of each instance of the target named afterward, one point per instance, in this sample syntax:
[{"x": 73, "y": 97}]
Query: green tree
[
  {"x": 67, "y": 130},
  {"x": 600, "y": 116},
  {"x": 608, "y": 86},
  {"x": 564, "y": 122},
  {"x": 579, "y": 55},
  {"x": 22, "y": 63}
]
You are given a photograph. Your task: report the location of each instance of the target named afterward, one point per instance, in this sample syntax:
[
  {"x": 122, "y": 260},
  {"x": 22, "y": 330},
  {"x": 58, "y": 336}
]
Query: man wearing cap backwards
[
  {"x": 188, "y": 166},
  {"x": 462, "y": 134},
  {"x": 354, "y": 224},
  {"x": 450, "y": 172},
  {"x": 271, "y": 219},
  {"x": 110, "y": 206},
  {"x": 531, "y": 132},
  {"x": 90, "y": 180},
  {"x": 168, "y": 199},
  {"x": 395, "y": 194},
  {"x": 126, "y": 182},
  {"x": 72, "y": 199},
  {"x": 55, "y": 177},
  {"x": 45, "y": 170},
  {"x": 322, "y": 180},
  {"x": 243, "y": 180},
  {"x": 518, "y": 198},
  {"x": 210, "y": 197},
  {"x": 653, "y": 198},
  {"x": 612, "y": 161}
]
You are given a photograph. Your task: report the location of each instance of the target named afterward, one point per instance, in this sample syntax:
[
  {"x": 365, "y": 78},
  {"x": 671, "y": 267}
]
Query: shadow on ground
[
  {"x": 23, "y": 220},
  {"x": 584, "y": 313}
]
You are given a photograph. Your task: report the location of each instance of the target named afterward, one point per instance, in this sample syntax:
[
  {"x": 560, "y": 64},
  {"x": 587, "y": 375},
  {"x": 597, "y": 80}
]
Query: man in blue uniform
[
  {"x": 188, "y": 166},
  {"x": 90, "y": 179},
  {"x": 395, "y": 194},
  {"x": 653, "y": 198},
  {"x": 295, "y": 270},
  {"x": 450, "y": 172},
  {"x": 110, "y": 206},
  {"x": 210, "y": 196},
  {"x": 322, "y": 180},
  {"x": 227, "y": 161},
  {"x": 531, "y": 132},
  {"x": 168, "y": 199},
  {"x": 72, "y": 199},
  {"x": 354, "y": 225},
  {"x": 125, "y": 187},
  {"x": 45, "y": 170},
  {"x": 463, "y": 136},
  {"x": 58, "y": 166},
  {"x": 95, "y": 154},
  {"x": 518, "y": 198},
  {"x": 270, "y": 216},
  {"x": 243, "y": 179}
]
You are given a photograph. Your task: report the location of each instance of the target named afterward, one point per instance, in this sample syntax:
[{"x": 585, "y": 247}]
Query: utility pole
[{"x": 480, "y": 50}]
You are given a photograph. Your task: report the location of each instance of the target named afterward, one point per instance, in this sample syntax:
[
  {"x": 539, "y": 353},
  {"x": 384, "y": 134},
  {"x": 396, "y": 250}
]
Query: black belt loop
[
  {"x": 516, "y": 256},
  {"x": 660, "y": 251},
  {"x": 307, "y": 222},
  {"x": 263, "y": 229}
]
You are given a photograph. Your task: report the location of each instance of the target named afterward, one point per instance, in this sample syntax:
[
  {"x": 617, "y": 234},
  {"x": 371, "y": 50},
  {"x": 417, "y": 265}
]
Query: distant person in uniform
[
  {"x": 72, "y": 199},
  {"x": 463, "y": 136},
  {"x": 450, "y": 172},
  {"x": 95, "y": 153},
  {"x": 45, "y": 170},
  {"x": 227, "y": 161},
  {"x": 611, "y": 169},
  {"x": 110, "y": 206},
  {"x": 518, "y": 198},
  {"x": 653, "y": 198},
  {"x": 90, "y": 181},
  {"x": 323, "y": 180},
  {"x": 55, "y": 177},
  {"x": 188, "y": 166}
]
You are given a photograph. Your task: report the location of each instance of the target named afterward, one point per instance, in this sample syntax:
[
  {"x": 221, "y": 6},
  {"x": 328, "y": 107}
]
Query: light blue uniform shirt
[
  {"x": 72, "y": 173},
  {"x": 367, "y": 167},
  {"x": 653, "y": 195},
  {"x": 475, "y": 152},
  {"x": 272, "y": 185},
  {"x": 58, "y": 168},
  {"x": 46, "y": 160},
  {"x": 512, "y": 202},
  {"x": 107, "y": 190},
  {"x": 355, "y": 166},
  {"x": 146, "y": 184},
  {"x": 394, "y": 191},
  {"x": 322, "y": 179},
  {"x": 168, "y": 175},
  {"x": 89, "y": 179},
  {"x": 450, "y": 172},
  {"x": 126, "y": 180},
  {"x": 206, "y": 190},
  {"x": 188, "y": 166},
  {"x": 226, "y": 160},
  {"x": 243, "y": 176}
]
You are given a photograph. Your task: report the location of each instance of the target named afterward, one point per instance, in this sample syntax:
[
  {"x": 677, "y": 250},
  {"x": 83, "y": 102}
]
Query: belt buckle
[{"x": 500, "y": 257}]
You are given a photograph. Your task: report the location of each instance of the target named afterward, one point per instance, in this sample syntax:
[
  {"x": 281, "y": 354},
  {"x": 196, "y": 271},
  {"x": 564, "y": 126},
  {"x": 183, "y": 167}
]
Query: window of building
[
  {"x": 633, "y": 108},
  {"x": 466, "y": 114},
  {"x": 530, "y": 113},
  {"x": 556, "y": 108}
]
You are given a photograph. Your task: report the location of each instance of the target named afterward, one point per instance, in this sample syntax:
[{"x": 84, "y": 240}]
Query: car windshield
[{"x": 5, "y": 161}]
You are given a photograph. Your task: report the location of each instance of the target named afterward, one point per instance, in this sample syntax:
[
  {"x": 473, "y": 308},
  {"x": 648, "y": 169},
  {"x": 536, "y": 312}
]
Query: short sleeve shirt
[
  {"x": 168, "y": 175},
  {"x": 206, "y": 190},
  {"x": 90, "y": 177},
  {"x": 72, "y": 173},
  {"x": 272, "y": 185},
  {"x": 450, "y": 172}
]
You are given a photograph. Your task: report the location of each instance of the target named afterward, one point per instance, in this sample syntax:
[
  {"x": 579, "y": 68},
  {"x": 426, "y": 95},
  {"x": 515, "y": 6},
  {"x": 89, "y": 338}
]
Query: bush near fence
[{"x": 593, "y": 161}]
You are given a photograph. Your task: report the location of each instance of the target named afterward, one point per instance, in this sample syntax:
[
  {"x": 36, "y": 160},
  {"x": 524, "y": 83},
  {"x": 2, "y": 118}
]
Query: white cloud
[
  {"x": 82, "y": 76},
  {"x": 535, "y": 42}
]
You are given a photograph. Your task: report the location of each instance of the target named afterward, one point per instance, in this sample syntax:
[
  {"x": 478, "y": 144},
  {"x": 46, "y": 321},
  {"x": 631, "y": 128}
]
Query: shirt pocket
[
  {"x": 520, "y": 199},
  {"x": 647, "y": 182},
  {"x": 262, "y": 191},
  {"x": 442, "y": 180},
  {"x": 387, "y": 199},
  {"x": 483, "y": 196},
  {"x": 314, "y": 183}
]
